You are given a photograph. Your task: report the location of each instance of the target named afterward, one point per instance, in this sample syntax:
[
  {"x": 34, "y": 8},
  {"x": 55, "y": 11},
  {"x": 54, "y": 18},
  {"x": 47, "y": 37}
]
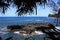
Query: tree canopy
[{"x": 22, "y": 6}]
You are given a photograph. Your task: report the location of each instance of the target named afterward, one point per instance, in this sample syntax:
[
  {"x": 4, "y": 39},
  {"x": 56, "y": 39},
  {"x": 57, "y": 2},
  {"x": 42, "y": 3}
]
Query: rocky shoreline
[
  {"x": 29, "y": 28},
  {"x": 34, "y": 29}
]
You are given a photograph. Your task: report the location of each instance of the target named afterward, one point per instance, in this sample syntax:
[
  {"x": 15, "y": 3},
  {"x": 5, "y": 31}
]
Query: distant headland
[{"x": 54, "y": 15}]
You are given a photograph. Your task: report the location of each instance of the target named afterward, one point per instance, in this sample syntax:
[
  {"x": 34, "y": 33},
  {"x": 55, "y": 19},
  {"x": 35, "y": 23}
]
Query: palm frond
[{"x": 22, "y": 6}]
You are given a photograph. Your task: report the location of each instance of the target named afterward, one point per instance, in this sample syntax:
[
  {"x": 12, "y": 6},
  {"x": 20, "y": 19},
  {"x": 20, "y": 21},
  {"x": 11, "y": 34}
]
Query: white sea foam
[
  {"x": 38, "y": 32},
  {"x": 18, "y": 36}
]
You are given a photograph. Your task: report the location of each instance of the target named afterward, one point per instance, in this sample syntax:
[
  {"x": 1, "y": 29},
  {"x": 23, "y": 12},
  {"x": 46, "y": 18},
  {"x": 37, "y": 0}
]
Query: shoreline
[
  {"x": 23, "y": 34},
  {"x": 28, "y": 27}
]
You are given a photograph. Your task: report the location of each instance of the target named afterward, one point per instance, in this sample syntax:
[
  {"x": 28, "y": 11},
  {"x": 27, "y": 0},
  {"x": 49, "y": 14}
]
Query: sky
[
  {"x": 41, "y": 11},
  {"x": 11, "y": 12}
]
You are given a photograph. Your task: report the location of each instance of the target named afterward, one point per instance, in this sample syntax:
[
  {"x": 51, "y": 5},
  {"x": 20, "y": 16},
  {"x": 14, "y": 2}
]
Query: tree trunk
[{"x": 36, "y": 10}]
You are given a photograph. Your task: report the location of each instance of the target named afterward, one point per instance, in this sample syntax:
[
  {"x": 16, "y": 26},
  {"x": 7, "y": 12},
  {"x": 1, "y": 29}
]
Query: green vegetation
[
  {"x": 54, "y": 15},
  {"x": 22, "y": 6},
  {"x": 25, "y": 6},
  {"x": 57, "y": 15}
]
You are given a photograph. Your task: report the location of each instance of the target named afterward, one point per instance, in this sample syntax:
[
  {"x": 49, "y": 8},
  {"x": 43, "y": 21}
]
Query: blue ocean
[{"x": 5, "y": 21}]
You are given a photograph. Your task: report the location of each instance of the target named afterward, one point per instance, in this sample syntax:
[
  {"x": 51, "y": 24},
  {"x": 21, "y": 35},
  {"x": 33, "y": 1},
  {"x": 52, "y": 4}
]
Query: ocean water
[
  {"x": 5, "y": 21},
  {"x": 16, "y": 36}
]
